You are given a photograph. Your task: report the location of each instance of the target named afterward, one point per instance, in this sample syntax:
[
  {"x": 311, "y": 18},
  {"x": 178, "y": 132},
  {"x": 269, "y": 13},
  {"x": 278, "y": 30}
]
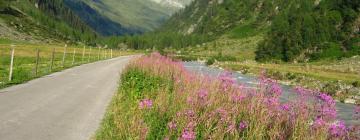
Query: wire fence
[{"x": 21, "y": 63}]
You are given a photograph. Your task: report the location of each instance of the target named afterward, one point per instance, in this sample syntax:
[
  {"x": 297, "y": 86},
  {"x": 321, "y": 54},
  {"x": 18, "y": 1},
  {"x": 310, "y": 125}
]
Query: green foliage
[
  {"x": 210, "y": 61},
  {"x": 243, "y": 31},
  {"x": 135, "y": 86},
  {"x": 136, "y": 82},
  {"x": 221, "y": 57},
  {"x": 331, "y": 50},
  {"x": 304, "y": 29}
]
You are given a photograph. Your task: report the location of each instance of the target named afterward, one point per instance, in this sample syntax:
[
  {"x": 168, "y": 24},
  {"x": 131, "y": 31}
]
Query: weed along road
[{"x": 67, "y": 105}]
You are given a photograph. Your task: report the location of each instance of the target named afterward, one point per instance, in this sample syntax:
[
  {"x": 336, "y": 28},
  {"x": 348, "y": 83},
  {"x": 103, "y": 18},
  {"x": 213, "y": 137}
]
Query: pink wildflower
[
  {"x": 326, "y": 107},
  {"x": 242, "y": 126},
  {"x": 226, "y": 81},
  {"x": 338, "y": 130},
  {"x": 172, "y": 125},
  {"x": 188, "y": 135},
  {"x": 275, "y": 89},
  {"x": 203, "y": 94},
  {"x": 318, "y": 123},
  {"x": 190, "y": 113},
  {"x": 231, "y": 128},
  {"x": 145, "y": 104},
  {"x": 285, "y": 107}
]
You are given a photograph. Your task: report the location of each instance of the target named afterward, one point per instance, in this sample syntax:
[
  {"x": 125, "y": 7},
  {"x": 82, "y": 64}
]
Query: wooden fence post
[
  {"x": 11, "y": 63},
  {"x": 73, "y": 58},
  {"x": 37, "y": 62},
  {"x": 99, "y": 54},
  {"x": 64, "y": 56},
  {"x": 105, "y": 54},
  {"x": 89, "y": 58},
  {"x": 52, "y": 59},
  {"x": 83, "y": 55}
]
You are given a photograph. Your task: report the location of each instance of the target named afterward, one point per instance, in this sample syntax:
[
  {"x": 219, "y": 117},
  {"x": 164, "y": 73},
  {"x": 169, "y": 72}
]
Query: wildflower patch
[{"x": 159, "y": 99}]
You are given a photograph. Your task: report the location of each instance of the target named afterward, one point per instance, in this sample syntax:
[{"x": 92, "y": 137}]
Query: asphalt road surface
[{"x": 67, "y": 105}]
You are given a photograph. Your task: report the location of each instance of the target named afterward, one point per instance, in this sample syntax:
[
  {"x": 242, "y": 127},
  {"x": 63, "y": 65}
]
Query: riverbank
[
  {"x": 340, "y": 79},
  {"x": 159, "y": 98}
]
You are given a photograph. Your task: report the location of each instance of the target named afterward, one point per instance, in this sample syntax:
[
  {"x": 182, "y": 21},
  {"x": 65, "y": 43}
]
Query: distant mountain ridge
[
  {"x": 96, "y": 21},
  {"x": 131, "y": 16},
  {"x": 173, "y": 3}
]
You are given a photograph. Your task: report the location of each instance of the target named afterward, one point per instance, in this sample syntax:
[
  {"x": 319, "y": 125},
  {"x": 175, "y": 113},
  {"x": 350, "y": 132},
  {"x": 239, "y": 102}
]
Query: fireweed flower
[
  {"x": 231, "y": 128},
  {"x": 188, "y": 135},
  {"x": 237, "y": 98},
  {"x": 275, "y": 89},
  {"x": 318, "y": 123},
  {"x": 338, "y": 129},
  {"x": 285, "y": 107},
  {"x": 242, "y": 126},
  {"x": 172, "y": 125},
  {"x": 145, "y": 104},
  {"x": 223, "y": 114},
  {"x": 203, "y": 94},
  {"x": 190, "y": 113},
  {"x": 326, "y": 107},
  {"x": 190, "y": 100},
  {"x": 227, "y": 81},
  {"x": 304, "y": 93}
]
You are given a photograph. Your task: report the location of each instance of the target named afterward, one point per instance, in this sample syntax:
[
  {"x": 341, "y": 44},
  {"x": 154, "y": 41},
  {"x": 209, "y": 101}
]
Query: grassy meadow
[
  {"x": 26, "y": 54},
  {"x": 159, "y": 99}
]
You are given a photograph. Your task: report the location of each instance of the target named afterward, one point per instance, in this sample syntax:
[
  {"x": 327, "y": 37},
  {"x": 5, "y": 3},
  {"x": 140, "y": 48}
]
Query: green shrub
[{"x": 210, "y": 61}]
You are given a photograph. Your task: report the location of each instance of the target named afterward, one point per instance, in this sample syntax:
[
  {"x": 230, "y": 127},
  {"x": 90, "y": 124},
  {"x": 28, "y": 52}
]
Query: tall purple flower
[
  {"x": 242, "y": 126},
  {"x": 145, "y": 104},
  {"x": 326, "y": 107},
  {"x": 275, "y": 89},
  {"x": 338, "y": 130},
  {"x": 318, "y": 123},
  {"x": 190, "y": 113},
  {"x": 188, "y": 135},
  {"x": 203, "y": 94},
  {"x": 231, "y": 128},
  {"x": 285, "y": 107},
  {"x": 172, "y": 125},
  {"x": 237, "y": 97},
  {"x": 226, "y": 81}
]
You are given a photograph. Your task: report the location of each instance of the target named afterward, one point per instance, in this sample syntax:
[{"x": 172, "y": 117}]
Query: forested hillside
[
  {"x": 308, "y": 29},
  {"x": 42, "y": 20},
  {"x": 293, "y": 30}
]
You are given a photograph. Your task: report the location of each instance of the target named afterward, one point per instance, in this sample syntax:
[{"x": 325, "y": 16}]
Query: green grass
[
  {"x": 135, "y": 85},
  {"x": 328, "y": 77},
  {"x": 243, "y": 31},
  {"x": 25, "y": 60},
  {"x": 223, "y": 49}
]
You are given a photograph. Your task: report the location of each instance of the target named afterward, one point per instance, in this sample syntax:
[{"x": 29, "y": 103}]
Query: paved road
[{"x": 67, "y": 105}]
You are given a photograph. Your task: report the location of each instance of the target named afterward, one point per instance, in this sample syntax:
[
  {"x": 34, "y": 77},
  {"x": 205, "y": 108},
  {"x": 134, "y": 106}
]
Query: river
[{"x": 344, "y": 111}]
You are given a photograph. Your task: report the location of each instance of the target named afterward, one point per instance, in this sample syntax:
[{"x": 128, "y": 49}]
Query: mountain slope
[
  {"x": 42, "y": 20},
  {"x": 96, "y": 21},
  {"x": 143, "y": 15},
  {"x": 294, "y": 30}
]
